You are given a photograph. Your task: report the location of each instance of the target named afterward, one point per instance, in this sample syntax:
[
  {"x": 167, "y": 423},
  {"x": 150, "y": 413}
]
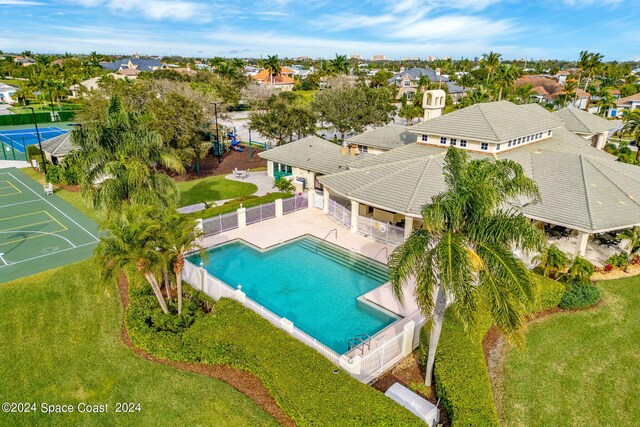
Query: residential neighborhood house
[{"x": 407, "y": 82}]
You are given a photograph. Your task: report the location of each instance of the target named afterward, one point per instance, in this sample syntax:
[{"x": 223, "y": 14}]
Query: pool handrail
[{"x": 325, "y": 237}]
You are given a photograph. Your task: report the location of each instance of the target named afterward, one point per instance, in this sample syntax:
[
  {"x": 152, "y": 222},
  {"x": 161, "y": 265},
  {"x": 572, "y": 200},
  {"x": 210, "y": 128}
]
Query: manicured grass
[
  {"x": 60, "y": 344},
  {"x": 40, "y": 107},
  {"x": 74, "y": 198},
  {"x": 213, "y": 188},
  {"x": 579, "y": 368},
  {"x": 234, "y": 205}
]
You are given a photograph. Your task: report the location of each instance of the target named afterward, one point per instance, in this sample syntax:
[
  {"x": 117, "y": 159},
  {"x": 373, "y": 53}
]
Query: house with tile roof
[
  {"x": 134, "y": 63},
  {"x": 582, "y": 187},
  {"x": 282, "y": 81},
  {"x": 628, "y": 103},
  {"x": 547, "y": 90},
  {"x": 407, "y": 82}
]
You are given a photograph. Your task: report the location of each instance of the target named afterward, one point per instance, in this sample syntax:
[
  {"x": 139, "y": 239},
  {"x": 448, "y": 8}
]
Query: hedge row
[
  {"x": 461, "y": 377},
  {"x": 27, "y": 118},
  {"x": 234, "y": 205},
  {"x": 301, "y": 380}
]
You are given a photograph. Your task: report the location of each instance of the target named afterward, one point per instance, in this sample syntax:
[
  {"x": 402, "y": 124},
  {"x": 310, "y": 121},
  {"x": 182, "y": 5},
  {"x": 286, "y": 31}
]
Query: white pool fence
[{"x": 365, "y": 362}]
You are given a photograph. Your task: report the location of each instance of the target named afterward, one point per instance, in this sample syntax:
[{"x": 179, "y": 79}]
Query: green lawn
[
  {"x": 213, "y": 188},
  {"x": 12, "y": 82},
  {"x": 60, "y": 344},
  {"x": 579, "y": 368},
  {"x": 40, "y": 107}
]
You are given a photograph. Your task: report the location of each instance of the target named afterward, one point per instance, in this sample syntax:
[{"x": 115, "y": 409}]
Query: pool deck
[{"x": 314, "y": 222}]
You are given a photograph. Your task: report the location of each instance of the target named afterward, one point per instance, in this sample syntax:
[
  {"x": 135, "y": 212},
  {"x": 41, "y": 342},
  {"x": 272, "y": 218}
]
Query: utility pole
[{"x": 35, "y": 121}]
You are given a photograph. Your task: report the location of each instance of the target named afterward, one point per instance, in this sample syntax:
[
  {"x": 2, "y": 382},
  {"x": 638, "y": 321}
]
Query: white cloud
[
  {"x": 582, "y": 3},
  {"x": 180, "y": 10},
  {"x": 20, "y": 3}
]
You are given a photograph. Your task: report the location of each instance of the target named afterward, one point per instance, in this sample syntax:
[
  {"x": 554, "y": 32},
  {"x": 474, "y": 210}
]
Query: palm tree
[
  {"x": 181, "y": 237},
  {"x": 633, "y": 236},
  {"x": 505, "y": 77},
  {"x": 120, "y": 162},
  {"x": 622, "y": 151},
  {"x": 409, "y": 112},
  {"x": 606, "y": 101},
  {"x": 552, "y": 260},
  {"x": 339, "y": 64},
  {"x": 464, "y": 251},
  {"x": 272, "y": 64},
  {"x": 524, "y": 93},
  {"x": 632, "y": 126},
  {"x": 131, "y": 241},
  {"x": 490, "y": 61}
]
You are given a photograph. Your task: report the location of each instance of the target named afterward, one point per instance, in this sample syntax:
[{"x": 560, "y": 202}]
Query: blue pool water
[{"x": 314, "y": 287}]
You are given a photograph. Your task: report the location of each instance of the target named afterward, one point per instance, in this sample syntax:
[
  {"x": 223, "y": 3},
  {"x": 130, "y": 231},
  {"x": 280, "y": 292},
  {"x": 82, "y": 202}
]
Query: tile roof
[
  {"x": 492, "y": 121},
  {"x": 580, "y": 121},
  {"x": 58, "y": 146},
  {"x": 264, "y": 76},
  {"x": 311, "y": 153},
  {"x": 628, "y": 99},
  {"x": 385, "y": 137}
]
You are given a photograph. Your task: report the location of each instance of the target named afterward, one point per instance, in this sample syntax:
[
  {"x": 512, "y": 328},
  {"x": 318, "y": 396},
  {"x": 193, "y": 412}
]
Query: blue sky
[{"x": 456, "y": 28}]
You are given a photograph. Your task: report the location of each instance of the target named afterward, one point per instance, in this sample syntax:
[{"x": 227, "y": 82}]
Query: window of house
[
  {"x": 509, "y": 144},
  {"x": 463, "y": 143},
  {"x": 425, "y": 138},
  {"x": 519, "y": 141},
  {"x": 484, "y": 146},
  {"x": 549, "y": 134},
  {"x": 406, "y": 83},
  {"x": 363, "y": 148},
  {"x": 528, "y": 138},
  {"x": 443, "y": 140},
  {"x": 453, "y": 141},
  {"x": 497, "y": 147}
]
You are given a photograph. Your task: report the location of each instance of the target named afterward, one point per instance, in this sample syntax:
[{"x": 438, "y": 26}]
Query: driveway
[{"x": 4, "y": 109}]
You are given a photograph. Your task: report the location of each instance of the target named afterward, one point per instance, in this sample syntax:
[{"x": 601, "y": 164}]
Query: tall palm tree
[
  {"x": 339, "y": 64},
  {"x": 272, "y": 65},
  {"x": 552, "y": 260},
  {"x": 524, "y": 93},
  {"x": 131, "y": 240},
  {"x": 606, "y": 102},
  {"x": 181, "y": 237},
  {"x": 464, "y": 251},
  {"x": 632, "y": 126},
  {"x": 121, "y": 162},
  {"x": 490, "y": 61},
  {"x": 505, "y": 77}
]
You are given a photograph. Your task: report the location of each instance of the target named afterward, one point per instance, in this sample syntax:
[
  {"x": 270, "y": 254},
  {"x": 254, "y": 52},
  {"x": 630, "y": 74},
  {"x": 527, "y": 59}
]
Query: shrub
[
  {"x": 33, "y": 152},
  {"x": 548, "y": 293},
  {"x": 461, "y": 376},
  {"x": 581, "y": 269},
  {"x": 618, "y": 260},
  {"x": 283, "y": 184},
  {"x": 54, "y": 174},
  {"x": 580, "y": 295},
  {"x": 608, "y": 268}
]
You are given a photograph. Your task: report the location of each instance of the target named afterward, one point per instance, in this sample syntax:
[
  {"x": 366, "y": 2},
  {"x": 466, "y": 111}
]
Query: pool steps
[{"x": 342, "y": 256}]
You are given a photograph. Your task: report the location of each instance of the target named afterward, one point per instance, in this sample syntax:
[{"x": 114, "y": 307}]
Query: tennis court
[
  {"x": 37, "y": 231},
  {"x": 21, "y": 138}
]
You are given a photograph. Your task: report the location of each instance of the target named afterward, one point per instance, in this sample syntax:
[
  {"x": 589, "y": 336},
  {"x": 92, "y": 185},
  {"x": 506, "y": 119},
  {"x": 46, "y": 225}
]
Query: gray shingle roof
[
  {"x": 492, "y": 121},
  {"x": 415, "y": 73},
  {"x": 385, "y": 137},
  {"x": 59, "y": 146},
  {"x": 581, "y": 187},
  {"x": 310, "y": 153},
  {"x": 580, "y": 121}
]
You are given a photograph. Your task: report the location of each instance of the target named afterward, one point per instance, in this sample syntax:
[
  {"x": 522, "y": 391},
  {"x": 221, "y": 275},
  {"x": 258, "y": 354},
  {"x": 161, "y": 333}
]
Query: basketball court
[{"x": 38, "y": 231}]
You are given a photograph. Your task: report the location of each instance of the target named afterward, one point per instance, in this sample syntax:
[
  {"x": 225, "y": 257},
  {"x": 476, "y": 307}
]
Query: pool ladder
[
  {"x": 359, "y": 341},
  {"x": 366, "y": 271}
]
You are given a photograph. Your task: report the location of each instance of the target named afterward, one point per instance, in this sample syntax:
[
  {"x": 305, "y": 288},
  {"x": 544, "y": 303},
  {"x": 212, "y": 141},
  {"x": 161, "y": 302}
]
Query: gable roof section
[
  {"x": 385, "y": 137},
  {"x": 279, "y": 79},
  {"x": 580, "y": 121},
  {"x": 310, "y": 153},
  {"x": 492, "y": 121},
  {"x": 415, "y": 73},
  {"x": 60, "y": 145},
  {"x": 628, "y": 100}
]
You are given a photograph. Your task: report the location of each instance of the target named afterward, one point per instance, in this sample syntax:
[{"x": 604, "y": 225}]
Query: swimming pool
[{"x": 314, "y": 286}]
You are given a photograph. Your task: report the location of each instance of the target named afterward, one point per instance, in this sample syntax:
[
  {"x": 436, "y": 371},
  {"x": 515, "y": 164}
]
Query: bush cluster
[
  {"x": 548, "y": 293},
  {"x": 618, "y": 260},
  {"x": 301, "y": 380},
  {"x": 580, "y": 295}
]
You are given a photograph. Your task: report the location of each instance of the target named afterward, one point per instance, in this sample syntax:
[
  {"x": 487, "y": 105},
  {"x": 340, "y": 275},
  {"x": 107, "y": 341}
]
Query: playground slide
[{"x": 235, "y": 144}]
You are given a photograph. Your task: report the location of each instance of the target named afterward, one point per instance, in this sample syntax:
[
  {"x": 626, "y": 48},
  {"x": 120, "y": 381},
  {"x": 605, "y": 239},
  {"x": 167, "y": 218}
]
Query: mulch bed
[
  {"x": 245, "y": 382},
  {"x": 230, "y": 160}
]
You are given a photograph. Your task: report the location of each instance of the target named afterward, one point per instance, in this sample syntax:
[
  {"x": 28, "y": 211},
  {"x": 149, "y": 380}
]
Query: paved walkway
[{"x": 4, "y": 109}]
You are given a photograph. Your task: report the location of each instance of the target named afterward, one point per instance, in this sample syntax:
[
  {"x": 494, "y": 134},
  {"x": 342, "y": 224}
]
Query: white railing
[
  {"x": 339, "y": 213},
  {"x": 380, "y": 231},
  {"x": 200, "y": 279},
  {"x": 220, "y": 223},
  {"x": 292, "y": 204},
  {"x": 261, "y": 213}
]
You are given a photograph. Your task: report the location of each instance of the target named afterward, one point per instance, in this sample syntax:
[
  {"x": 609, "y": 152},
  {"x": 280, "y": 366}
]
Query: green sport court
[{"x": 38, "y": 231}]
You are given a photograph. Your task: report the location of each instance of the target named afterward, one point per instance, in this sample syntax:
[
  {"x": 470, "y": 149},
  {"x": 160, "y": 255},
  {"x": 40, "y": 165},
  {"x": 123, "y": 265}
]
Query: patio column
[
  {"x": 408, "y": 226},
  {"x": 355, "y": 208},
  {"x": 601, "y": 141},
  {"x": 325, "y": 201},
  {"x": 581, "y": 244},
  {"x": 242, "y": 217}
]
